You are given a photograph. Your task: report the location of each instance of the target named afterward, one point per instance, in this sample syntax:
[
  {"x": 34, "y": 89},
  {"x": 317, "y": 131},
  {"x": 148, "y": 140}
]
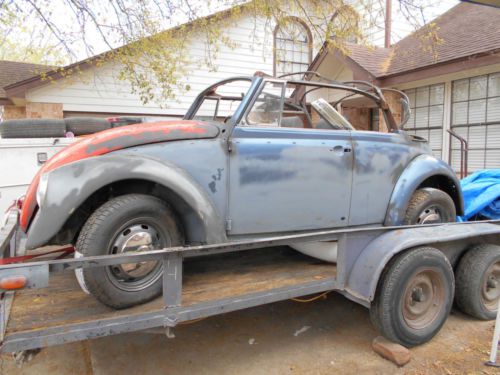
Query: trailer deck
[
  {"x": 206, "y": 280},
  {"x": 63, "y": 305}
]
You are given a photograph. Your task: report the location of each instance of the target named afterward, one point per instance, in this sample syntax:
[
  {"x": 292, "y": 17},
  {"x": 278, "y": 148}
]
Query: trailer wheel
[
  {"x": 128, "y": 223},
  {"x": 414, "y": 296},
  {"x": 430, "y": 206},
  {"x": 478, "y": 282}
]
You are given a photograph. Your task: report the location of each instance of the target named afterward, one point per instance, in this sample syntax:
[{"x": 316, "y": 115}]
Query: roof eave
[
  {"x": 359, "y": 72},
  {"x": 441, "y": 68},
  {"x": 5, "y": 101}
]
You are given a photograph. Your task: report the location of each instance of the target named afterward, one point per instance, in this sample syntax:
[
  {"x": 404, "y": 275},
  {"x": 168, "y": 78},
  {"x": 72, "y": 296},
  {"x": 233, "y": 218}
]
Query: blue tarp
[{"x": 481, "y": 194}]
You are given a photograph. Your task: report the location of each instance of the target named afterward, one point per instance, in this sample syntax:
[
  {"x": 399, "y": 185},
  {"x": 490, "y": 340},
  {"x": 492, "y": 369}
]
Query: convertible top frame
[{"x": 362, "y": 88}]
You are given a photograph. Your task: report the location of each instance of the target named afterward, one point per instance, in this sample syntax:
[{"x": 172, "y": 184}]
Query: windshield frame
[{"x": 210, "y": 92}]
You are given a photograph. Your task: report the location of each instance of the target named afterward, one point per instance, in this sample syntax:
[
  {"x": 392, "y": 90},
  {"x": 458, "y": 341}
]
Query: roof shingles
[
  {"x": 12, "y": 72},
  {"x": 465, "y": 30}
]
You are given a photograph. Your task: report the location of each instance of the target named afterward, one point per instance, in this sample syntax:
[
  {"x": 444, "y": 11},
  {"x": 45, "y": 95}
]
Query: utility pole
[{"x": 388, "y": 23}]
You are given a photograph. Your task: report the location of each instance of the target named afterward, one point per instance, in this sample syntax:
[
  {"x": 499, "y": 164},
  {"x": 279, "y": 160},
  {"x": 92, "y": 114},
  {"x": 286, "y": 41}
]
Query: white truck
[{"x": 20, "y": 159}]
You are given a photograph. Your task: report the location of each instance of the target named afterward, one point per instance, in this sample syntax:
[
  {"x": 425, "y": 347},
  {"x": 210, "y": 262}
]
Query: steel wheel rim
[
  {"x": 423, "y": 299},
  {"x": 431, "y": 215},
  {"x": 490, "y": 291},
  {"x": 138, "y": 236}
]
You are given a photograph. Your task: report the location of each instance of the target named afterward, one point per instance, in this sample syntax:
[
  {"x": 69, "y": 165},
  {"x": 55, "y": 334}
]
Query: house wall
[
  {"x": 32, "y": 110},
  {"x": 99, "y": 90},
  {"x": 12, "y": 112},
  {"x": 483, "y": 137}
]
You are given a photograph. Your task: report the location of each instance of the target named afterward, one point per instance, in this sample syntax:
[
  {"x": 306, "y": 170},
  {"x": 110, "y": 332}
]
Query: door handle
[{"x": 340, "y": 150}]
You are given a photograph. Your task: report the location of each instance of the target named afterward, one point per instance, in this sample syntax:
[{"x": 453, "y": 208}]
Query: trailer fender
[
  {"x": 362, "y": 280},
  {"x": 420, "y": 169},
  {"x": 70, "y": 185}
]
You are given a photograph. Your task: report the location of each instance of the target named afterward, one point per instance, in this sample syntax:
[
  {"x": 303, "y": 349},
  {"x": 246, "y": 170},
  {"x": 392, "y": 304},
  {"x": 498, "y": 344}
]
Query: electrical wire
[{"x": 322, "y": 295}]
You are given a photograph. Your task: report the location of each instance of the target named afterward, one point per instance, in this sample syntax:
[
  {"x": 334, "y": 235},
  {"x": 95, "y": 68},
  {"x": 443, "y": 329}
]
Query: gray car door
[{"x": 288, "y": 179}]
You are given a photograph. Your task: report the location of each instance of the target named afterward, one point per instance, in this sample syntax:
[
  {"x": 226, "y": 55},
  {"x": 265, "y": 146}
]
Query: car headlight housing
[{"x": 42, "y": 189}]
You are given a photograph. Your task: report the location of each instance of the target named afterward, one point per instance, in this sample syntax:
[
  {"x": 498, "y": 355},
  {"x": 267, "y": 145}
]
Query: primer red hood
[{"x": 112, "y": 140}]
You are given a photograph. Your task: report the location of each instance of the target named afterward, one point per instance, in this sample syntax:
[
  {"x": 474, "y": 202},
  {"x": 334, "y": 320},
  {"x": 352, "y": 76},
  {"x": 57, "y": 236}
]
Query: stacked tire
[
  {"x": 33, "y": 128},
  {"x": 86, "y": 125},
  {"x": 52, "y": 128}
]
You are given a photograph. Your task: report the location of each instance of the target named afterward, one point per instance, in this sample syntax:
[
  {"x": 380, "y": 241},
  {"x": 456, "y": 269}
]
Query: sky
[{"x": 400, "y": 25}]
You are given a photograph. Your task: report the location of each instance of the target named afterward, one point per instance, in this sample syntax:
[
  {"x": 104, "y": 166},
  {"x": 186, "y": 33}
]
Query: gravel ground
[{"x": 329, "y": 336}]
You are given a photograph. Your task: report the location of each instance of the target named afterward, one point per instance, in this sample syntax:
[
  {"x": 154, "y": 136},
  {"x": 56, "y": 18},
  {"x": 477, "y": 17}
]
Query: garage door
[
  {"x": 427, "y": 111},
  {"x": 476, "y": 117}
]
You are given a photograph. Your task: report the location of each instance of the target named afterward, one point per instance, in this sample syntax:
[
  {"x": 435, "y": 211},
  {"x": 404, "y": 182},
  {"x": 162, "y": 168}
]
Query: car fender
[
  {"x": 416, "y": 172},
  {"x": 70, "y": 185}
]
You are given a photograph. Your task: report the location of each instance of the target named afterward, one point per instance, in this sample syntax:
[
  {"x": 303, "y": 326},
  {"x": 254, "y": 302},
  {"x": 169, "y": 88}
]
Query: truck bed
[{"x": 225, "y": 276}]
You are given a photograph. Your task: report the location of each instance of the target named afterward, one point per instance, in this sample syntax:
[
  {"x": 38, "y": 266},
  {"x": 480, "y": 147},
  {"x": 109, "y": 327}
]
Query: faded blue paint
[
  {"x": 205, "y": 161},
  {"x": 289, "y": 179},
  {"x": 379, "y": 160},
  {"x": 415, "y": 172}
]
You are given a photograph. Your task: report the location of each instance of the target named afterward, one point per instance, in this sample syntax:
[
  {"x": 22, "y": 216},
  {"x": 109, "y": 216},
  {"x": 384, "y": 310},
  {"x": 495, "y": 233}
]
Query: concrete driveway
[{"x": 329, "y": 336}]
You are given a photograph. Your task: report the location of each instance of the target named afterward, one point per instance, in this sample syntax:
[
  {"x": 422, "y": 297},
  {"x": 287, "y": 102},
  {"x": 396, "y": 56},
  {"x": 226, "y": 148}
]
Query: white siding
[{"x": 99, "y": 90}]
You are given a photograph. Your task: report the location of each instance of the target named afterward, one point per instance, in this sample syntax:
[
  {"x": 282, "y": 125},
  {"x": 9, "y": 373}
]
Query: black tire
[
  {"x": 104, "y": 233},
  {"x": 126, "y": 120},
  {"x": 430, "y": 206},
  {"x": 33, "y": 128},
  {"x": 86, "y": 125},
  {"x": 423, "y": 273},
  {"x": 478, "y": 282}
]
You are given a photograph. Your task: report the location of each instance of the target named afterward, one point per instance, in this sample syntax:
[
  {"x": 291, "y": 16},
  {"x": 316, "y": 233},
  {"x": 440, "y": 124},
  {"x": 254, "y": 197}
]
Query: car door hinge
[
  {"x": 229, "y": 145},
  {"x": 229, "y": 223}
]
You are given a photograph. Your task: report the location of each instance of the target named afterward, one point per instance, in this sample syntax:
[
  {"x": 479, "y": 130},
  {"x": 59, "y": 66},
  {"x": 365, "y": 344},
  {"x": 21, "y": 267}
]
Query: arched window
[{"x": 292, "y": 47}]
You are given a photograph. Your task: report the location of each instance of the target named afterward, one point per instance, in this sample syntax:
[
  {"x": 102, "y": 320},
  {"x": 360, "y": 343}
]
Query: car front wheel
[
  {"x": 430, "y": 206},
  {"x": 128, "y": 223}
]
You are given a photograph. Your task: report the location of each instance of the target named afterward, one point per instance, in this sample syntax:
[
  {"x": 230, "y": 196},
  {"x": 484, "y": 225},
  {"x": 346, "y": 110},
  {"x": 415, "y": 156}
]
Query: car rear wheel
[
  {"x": 430, "y": 206},
  {"x": 414, "y": 296},
  {"x": 478, "y": 282},
  {"x": 128, "y": 223}
]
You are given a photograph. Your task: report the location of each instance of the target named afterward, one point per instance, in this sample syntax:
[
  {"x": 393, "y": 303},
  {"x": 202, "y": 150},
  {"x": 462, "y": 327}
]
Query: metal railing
[{"x": 464, "y": 153}]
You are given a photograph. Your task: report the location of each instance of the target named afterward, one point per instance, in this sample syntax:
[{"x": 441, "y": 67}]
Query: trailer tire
[
  {"x": 33, "y": 128},
  {"x": 430, "y": 206},
  {"x": 414, "y": 296},
  {"x": 127, "y": 223},
  {"x": 478, "y": 282}
]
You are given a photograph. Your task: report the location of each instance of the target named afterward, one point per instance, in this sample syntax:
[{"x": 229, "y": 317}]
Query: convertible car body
[{"x": 253, "y": 156}]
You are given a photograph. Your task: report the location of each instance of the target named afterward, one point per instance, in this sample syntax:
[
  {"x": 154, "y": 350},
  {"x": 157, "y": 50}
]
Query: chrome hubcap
[
  {"x": 139, "y": 275},
  {"x": 430, "y": 215}
]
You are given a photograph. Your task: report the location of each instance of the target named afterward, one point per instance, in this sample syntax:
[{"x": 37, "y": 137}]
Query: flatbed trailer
[{"x": 202, "y": 281}]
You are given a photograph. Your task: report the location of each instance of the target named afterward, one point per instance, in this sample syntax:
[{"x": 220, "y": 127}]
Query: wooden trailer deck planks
[{"x": 205, "y": 279}]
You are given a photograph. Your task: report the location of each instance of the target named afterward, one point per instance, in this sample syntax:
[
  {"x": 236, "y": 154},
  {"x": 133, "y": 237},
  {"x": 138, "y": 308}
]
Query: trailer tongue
[{"x": 49, "y": 307}]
